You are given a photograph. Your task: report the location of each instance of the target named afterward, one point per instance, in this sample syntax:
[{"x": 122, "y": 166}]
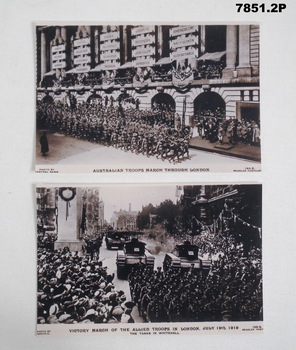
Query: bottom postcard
[{"x": 149, "y": 259}]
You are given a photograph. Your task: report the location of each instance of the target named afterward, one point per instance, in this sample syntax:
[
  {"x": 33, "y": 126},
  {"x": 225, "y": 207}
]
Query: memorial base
[{"x": 74, "y": 246}]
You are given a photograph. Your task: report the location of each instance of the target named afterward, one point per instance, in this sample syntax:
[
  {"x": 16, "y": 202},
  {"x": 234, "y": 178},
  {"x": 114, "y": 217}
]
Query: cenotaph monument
[{"x": 69, "y": 219}]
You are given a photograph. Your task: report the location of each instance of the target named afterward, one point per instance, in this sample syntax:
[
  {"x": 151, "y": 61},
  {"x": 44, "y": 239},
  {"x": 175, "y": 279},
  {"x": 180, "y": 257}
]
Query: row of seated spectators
[
  {"x": 72, "y": 288},
  {"x": 231, "y": 291},
  {"x": 150, "y": 132}
]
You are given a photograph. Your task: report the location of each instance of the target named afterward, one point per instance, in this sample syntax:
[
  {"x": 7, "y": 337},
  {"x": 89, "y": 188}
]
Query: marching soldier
[{"x": 155, "y": 310}]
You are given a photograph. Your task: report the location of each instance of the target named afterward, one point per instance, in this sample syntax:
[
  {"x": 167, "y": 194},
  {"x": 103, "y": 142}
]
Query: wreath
[{"x": 67, "y": 198}]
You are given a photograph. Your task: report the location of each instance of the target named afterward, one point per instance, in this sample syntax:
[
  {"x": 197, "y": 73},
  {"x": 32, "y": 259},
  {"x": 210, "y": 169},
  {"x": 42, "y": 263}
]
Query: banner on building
[
  {"x": 110, "y": 56},
  {"x": 180, "y": 30},
  {"x": 140, "y": 52},
  {"x": 58, "y": 65},
  {"x": 142, "y": 30},
  {"x": 144, "y": 62},
  {"x": 183, "y": 54},
  {"x": 109, "y": 36},
  {"x": 149, "y": 39},
  {"x": 82, "y": 42},
  {"x": 110, "y": 46},
  {"x": 82, "y": 51},
  {"x": 188, "y": 41},
  {"x": 58, "y": 48}
]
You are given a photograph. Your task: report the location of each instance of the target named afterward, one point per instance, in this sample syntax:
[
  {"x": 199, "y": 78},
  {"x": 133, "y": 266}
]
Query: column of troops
[
  {"x": 229, "y": 292},
  {"x": 149, "y": 132}
]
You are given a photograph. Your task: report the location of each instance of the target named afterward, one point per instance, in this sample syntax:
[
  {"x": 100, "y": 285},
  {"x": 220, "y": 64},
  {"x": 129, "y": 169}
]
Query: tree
[
  {"x": 143, "y": 219},
  {"x": 169, "y": 214}
]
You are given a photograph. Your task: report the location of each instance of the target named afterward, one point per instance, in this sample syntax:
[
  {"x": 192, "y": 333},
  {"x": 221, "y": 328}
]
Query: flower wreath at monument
[{"x": 67, "y": 197}]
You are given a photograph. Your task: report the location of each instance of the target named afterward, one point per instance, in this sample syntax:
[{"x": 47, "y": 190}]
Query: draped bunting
[{"x": 220, "y": 222}]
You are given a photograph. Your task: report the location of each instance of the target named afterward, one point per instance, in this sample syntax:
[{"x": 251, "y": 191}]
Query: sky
[{"x": 118, "y": 197}]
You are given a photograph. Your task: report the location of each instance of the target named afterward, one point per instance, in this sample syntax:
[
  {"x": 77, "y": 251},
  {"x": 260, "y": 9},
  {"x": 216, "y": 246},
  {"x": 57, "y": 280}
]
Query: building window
[{"x": 242, "y": 95}]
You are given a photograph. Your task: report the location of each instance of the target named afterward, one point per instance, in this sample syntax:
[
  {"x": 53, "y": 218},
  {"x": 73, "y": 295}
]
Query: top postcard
[{"x": 147, "y": 98}]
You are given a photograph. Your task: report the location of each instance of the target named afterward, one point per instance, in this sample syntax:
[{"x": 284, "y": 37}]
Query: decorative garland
[{"x": 233, "y": 216}]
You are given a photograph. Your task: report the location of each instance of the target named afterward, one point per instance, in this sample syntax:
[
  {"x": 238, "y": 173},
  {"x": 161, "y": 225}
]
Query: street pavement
[
  {"x": 108, "y": 258},
  {"x": 67, "y": 151},
  {"x": 240, "y": 149}
]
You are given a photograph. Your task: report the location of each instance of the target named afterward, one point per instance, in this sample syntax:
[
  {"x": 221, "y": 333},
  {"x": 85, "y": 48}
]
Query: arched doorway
[
  {"x": 94, "y": 99},
  {"x": 163, "y": 101},
  {"x": 209, "y": 104},
  {"x": 124, "y": 97},
  {"x": 47, "y": 99}
]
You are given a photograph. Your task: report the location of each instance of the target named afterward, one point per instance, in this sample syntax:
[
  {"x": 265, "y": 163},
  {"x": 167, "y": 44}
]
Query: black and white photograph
[
  {"x": 147, "y": 175},
  {"x": 188, "y": 256},
  {"x": 165, "y": 96}
]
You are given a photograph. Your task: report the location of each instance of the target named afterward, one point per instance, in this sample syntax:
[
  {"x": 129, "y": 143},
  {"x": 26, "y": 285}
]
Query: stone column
[
  {"x": 50, "y": 57},
  {"x": 96, "y": 46},
  {"x": 64, "y": 33},
  {"x": 58, "y": 35},
  {"x": 159, "y": 42},
  {"x": 68, "y": 221},
  {"x": 231, "y": 51},
  {"x": 43, "y": 55},
  {"x": 244, "y": 67},
  {"x": 202, "y": 39},
  {"x": 87, "y": 29},
  {"x": 123, "y": 45}
]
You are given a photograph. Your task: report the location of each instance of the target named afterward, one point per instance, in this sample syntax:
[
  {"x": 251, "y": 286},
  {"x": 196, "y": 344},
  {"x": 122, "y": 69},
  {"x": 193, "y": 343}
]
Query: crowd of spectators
[
  {"x": 209, "y": 70},
  {"x": 92, "y": 245},
  {"x": 152, "y": 132},
  {"x": 72, "y": 288},
  {"x": 46, "y": 241},
  {"x": 230, "y": 291},
  {"x": 228, "y": 131}
]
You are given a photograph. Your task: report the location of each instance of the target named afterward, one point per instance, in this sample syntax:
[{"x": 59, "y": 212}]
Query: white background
[{"x": 17, "y": 99}]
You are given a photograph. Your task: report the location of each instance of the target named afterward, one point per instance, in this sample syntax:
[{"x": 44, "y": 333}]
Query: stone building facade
[
  {"x": 191, "y": 70},
  {"x": 124, "y": 220}
]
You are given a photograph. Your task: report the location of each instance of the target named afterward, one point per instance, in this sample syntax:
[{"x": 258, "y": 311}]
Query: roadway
[
  {"x": 65, "y": 151},
  {"x": 108, "y": 258}
]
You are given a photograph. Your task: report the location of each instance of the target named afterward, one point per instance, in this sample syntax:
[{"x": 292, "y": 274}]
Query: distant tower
[{"x": 129, "y": 207}]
